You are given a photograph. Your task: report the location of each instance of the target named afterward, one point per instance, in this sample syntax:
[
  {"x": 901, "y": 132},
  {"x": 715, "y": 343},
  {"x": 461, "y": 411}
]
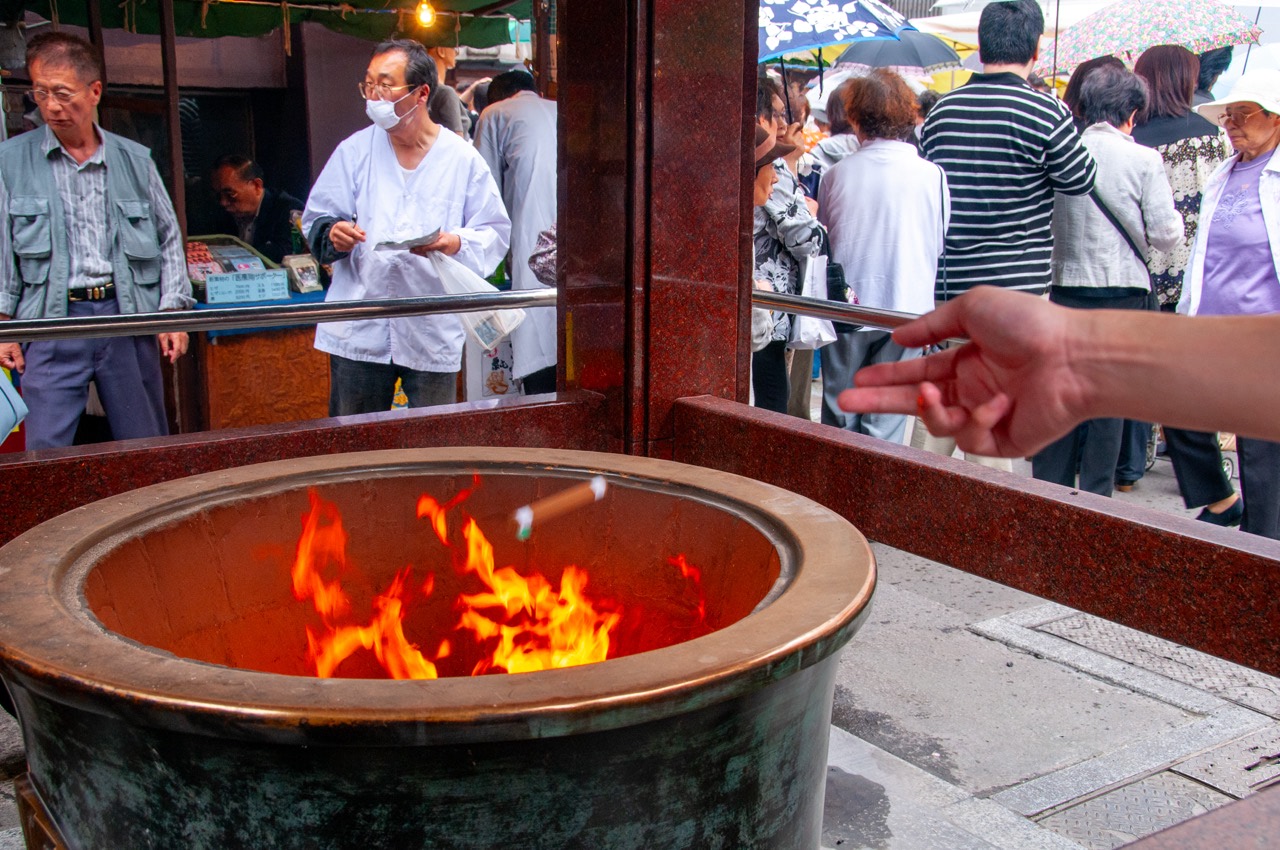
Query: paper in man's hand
[{"x": 416, "y": 242}]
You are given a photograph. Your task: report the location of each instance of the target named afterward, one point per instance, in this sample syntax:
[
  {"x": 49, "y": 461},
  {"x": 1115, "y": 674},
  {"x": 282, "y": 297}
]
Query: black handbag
[{"x": 838, "y": 290}]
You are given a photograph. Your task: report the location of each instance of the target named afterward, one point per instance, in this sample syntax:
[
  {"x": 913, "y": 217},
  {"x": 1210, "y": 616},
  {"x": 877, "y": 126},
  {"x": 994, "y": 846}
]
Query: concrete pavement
[{"x": 970, "y": 715}]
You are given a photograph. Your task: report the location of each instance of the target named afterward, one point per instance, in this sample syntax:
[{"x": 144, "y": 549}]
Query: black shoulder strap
[{"x": 1115, "y": 222}]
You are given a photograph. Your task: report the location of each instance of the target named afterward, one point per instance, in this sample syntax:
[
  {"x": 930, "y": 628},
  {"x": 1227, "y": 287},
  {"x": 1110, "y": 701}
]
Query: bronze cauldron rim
[{"x": 52, "y": 643}]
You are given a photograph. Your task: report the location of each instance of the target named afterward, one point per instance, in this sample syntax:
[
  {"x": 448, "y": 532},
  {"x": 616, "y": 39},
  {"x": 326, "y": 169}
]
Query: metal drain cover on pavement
[{"x": 1126, "y": 814}]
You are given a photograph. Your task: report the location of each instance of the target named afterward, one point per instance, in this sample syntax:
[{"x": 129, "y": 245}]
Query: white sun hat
[{"x": 1261, "y": 87}]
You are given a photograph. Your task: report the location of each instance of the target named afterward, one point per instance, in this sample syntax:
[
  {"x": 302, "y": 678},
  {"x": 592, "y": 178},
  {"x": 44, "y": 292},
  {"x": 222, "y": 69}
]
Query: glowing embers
[{"x": 504, "y": 621}]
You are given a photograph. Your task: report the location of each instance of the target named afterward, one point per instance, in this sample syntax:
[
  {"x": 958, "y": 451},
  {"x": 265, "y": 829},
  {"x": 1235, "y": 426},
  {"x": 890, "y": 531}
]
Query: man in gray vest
[{"x": 86, "y": 229}]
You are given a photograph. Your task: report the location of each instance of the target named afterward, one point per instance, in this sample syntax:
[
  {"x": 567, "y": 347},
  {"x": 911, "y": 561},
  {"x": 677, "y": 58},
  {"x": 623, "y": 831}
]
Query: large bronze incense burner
[{"x": 157, "y": 657}]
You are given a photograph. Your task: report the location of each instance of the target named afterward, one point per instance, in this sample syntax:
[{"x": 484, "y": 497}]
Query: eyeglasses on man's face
[
  {"x": 1238, "y": 116},
  {"x": 60, "y": 95},
  {"x": 380, "y": 91}
]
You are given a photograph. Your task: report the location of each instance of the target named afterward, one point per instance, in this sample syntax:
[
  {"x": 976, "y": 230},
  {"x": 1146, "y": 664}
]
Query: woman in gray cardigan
[{"x": 1100, "y": 246}]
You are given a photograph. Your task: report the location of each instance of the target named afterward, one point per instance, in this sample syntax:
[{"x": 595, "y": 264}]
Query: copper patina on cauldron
[{"x": 152, "y": 647}]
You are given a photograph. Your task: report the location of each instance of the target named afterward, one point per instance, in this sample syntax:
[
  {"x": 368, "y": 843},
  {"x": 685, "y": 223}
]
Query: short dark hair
[
  {"x": 837, "y": 118},
  {"x": 506, "y": 85},
  {"x": 1071, "y": 96},
  {"x": 1212, "y": 64},
  {"x": 1112, "y": 95},
  {"x": 64, "y": 50},
  {"x": 1171, "y": 72},
  {"x": 1009, "y": 32},
  {"x": 420, "y": 68},
  {"x": 766, "y": 91},
  {"x": 927, "y": 100},
  {"x": 882, "y": 105},
  {"x": 245, "y": 168}
]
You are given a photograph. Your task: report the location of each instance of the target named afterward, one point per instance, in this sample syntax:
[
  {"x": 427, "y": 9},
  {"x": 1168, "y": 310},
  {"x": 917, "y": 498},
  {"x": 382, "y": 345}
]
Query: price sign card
[{"x": 233, "y": 287}]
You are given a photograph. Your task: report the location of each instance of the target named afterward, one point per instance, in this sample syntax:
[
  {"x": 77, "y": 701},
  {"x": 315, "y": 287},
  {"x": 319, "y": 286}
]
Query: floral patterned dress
[
  {"x": 786, "y": 234},
  {"x": 1192, "y": 149}
]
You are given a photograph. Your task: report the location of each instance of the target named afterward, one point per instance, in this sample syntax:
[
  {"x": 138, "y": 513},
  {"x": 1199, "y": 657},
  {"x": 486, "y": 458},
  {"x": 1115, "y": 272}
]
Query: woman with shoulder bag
[{"x": 1100, "y": 242}]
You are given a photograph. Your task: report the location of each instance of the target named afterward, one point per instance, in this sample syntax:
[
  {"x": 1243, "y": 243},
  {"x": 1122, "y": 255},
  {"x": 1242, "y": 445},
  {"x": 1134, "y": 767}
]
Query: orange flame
[
  {"x": 694, "y": 576},
  {"x": 517, "y": 623}
]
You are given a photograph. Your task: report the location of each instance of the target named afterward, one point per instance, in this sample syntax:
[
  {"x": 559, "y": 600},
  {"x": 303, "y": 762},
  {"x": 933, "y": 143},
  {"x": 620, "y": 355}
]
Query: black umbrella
[{"x": 912, "y": 53}]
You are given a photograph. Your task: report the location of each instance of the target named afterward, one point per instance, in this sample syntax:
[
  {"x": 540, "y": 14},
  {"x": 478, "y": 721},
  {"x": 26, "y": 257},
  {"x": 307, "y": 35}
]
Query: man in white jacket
[{"x": 399, "y": 180}]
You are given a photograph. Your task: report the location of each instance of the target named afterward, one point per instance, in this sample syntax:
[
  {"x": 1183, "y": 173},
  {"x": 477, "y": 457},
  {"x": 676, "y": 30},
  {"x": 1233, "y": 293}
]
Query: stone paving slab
[
  {"x": 1046, "y": 645},
  {"x": 1134, "y": 760},
  {"x": 1223, "y": 678}
]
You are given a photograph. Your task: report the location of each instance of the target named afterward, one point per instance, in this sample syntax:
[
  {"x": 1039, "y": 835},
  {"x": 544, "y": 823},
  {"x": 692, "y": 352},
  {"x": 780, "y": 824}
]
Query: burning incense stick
[{"x": 558, "y": 504}]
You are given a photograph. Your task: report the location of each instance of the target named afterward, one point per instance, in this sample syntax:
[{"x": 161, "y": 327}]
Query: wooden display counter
[{"x": 262, "y": 376}]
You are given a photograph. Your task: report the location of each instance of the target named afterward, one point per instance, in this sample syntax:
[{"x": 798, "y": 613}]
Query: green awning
[{"x": 368, "y": 19}]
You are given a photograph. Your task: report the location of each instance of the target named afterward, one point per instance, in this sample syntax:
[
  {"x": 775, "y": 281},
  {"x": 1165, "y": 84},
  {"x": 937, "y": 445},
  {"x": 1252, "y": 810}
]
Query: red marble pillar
[{"x": 656, "y": 104}]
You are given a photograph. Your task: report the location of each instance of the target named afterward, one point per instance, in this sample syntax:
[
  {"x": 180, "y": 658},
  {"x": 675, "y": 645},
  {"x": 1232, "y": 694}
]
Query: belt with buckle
[{"x": 92, "y": 293}]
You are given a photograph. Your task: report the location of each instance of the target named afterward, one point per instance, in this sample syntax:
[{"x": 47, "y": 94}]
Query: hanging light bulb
[{"x": 426, "y": 15}]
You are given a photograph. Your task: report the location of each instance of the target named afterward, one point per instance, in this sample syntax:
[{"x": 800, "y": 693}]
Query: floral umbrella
[
  {"x": 789, "y": 26},
  {"x": 1127, "y": 28}
]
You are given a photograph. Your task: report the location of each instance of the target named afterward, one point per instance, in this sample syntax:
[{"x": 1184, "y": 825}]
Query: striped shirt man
[{"x": 1006, "y": 149}]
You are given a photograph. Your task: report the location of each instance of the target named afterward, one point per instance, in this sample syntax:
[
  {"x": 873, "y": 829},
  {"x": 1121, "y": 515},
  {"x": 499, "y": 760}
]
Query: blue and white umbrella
[{"x": 790, "y": 26}]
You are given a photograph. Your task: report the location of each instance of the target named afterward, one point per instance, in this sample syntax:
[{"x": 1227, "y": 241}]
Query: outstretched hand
[{"x": 1009, "y": 392}]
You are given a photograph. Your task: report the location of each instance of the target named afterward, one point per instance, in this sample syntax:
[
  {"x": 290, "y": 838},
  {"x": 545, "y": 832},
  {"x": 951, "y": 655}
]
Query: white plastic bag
[
  {"x": 808, "y": 332},
  {"x": 486, "y": 328}
]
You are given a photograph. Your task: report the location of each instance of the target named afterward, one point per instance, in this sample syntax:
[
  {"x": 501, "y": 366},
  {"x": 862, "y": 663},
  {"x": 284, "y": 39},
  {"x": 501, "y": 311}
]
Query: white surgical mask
[{"x": 383, "y": 112}]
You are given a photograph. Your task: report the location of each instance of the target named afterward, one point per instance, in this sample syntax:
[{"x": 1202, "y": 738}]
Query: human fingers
[
  {"x": 936, "y": 326},
  {"x": 978, "y": 429},
  {"x": 11, "y": 357},
  {"x": 936, "y": 367},
  {"x": 167, "y": 347},
  {"x": 447, "y": 243},
  {"x": 180, "y": 342},
  {"x": 345, "y": 235},
  {"x": 894, "y": 399},
  {"x": 943, "y": 420}
]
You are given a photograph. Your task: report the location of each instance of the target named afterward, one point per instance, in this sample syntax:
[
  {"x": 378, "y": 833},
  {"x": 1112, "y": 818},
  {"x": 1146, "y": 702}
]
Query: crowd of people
[
  {"x": 90, "y": 231},
  {"x": 1137, "y": 191}
]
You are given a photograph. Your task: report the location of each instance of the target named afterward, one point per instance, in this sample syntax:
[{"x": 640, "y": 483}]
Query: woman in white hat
[{"x": 1235, "y": 260}]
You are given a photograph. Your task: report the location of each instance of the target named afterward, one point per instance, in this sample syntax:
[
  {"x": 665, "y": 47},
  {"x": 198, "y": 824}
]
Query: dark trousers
[
  {"x": 769, "y": 377},
  {"x": 1093, "y": 447},
  {"x": 126, "y": 370},
  {"x": 1136, "y": 437},
  {"x": 1260, "y": 486},
  {"x": 1132, "y": 464},
  {"x": 1197, "y": 464},
  {"x": 359, "y": 387},
  {"x": 541, "y": 381}
]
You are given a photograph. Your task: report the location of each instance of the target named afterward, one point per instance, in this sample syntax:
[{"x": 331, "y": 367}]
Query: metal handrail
[
  {"x": 275, "y": 315},
  {"x": 836, "y": 311},
  {"x": 279, "y": 315}
]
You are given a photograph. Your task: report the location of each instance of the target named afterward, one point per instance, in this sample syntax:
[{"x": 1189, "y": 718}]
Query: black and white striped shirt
[{"x": 1006, "y": 149}]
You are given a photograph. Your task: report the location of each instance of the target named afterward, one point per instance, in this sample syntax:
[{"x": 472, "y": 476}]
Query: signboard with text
[{"x": 239, "y": 287}]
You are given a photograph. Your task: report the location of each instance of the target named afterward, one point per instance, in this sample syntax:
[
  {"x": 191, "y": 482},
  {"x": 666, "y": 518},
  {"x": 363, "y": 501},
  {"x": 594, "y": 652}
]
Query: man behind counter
[
  {"x": 86, "y": 229},
  {"x": 258, "y": 215}
]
